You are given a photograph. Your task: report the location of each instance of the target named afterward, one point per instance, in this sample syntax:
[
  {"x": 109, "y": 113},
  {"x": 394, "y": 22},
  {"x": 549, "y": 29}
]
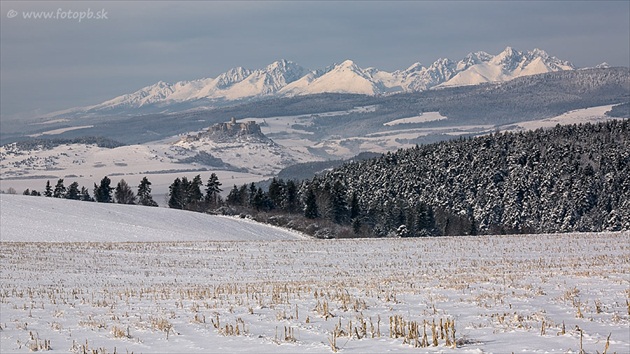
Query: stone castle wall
[{"x": 233, "y": 128}]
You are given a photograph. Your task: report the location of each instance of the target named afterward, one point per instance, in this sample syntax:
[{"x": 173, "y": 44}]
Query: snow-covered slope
[
  {"x": 592, "y": 115},
  {"x": 249, "y": 153},
  {"x": 41, "y": 219},
  {"x": 346, "y": 77},
  {"x": 286, "y": 78},
  {"x": 506, "y": 66},
  {"x": 245, "y": 147}
]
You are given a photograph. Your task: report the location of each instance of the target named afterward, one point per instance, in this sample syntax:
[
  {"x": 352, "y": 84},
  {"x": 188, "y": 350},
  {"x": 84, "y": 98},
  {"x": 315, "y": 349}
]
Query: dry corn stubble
[{"x": 326, "y": 297}]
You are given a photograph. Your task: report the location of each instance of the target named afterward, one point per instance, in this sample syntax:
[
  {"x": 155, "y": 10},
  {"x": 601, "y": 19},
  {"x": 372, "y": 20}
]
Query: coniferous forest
[
  {"x": 569, "y": 178},
  {"x": 566, "y": 179}
]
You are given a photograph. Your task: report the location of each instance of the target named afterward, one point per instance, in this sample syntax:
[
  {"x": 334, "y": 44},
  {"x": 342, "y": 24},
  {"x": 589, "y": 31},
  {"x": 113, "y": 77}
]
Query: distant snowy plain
[
  {"x": 83, "y": 277},
  {"x": 160, "y": 161}
]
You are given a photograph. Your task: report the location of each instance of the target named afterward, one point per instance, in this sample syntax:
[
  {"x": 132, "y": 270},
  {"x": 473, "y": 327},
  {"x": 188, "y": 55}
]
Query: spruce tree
[
  {"x": 85, "y": 195},
  {"x": 48, "y": 190},
  {"x": 276, "y": 193},
  {"x": 291, "y": 198},
  {"x": 260, "y": 200},
  {"x": 234, "y": 198},
  {"x": 124, "y": 194},
  {"x": 103, "y": 192},
  {"x": 213, "y": 189},
  {"x": 194, "y": 190},
  {"x": 184, "y": 192},
  {"x": 60, "y": 189},
  {"x": 243, "y": 191},
  {"x": 252, "y": 194},
  {"x": 176, "y": 197},
  {"x": 310, "y": 204},
  {"x": 354, "y": 206},
  {"x": 73, "y": 191},
  {"x": 338, "y": 206},
  {"x": 144, "y": 193}
]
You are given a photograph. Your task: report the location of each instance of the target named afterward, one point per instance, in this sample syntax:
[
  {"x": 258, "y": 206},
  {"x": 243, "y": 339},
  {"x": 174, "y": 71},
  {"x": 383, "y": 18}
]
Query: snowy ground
[
  {"x": 41, "y": 219},
  {"x": 161, "y": 160},
  {"x": 592, "y": 115},
  {"x": 528, "y": 293},
  {"x": 422, "y": 118}
]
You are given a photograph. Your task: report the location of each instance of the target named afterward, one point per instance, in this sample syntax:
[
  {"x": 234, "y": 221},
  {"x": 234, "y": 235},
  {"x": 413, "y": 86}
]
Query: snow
[
  {"x": 580, "y": 116},
  {"x": 285, "y": 78},
  {"x": 160, "y": 160},
  {"x": 291, "y": 295},
  {"x": 41, "y": 219},
  {"x": 59, "y": 131},
  {"x": 88, "y": 164},
  {"x": 506, "y": 66},
  {"x": 422, "y": 118},
  {"x": 346, "y": 77}
]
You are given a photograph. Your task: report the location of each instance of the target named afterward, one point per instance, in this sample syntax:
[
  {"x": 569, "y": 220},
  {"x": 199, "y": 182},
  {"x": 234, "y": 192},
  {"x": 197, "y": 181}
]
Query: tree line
[
  {"x": 103, "y": 192},
  {"x": 565, "y": 179}
]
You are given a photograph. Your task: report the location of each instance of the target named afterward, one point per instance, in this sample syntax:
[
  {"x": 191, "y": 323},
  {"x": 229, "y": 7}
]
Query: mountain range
[{"x": 285, "y": 78}]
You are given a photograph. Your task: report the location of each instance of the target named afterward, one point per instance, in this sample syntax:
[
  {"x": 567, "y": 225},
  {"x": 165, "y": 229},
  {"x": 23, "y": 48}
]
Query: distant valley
[{"x": 301, "y": 129}]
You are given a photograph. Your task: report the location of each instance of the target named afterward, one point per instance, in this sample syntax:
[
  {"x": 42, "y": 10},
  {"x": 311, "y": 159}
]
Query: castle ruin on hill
[
  {"x": 233, "y": 128},
  {"x": 229, "y": 131}
]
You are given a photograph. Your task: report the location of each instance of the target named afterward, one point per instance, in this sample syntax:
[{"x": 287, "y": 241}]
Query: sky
[{"x": 69, "y": 61}]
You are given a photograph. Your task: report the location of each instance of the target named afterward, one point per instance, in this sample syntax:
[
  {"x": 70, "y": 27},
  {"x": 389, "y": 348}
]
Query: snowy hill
[
  {"x": 41, "y": 219},
  {"x": 286, "y": 78},
  {"x": 242, "y": 145}
]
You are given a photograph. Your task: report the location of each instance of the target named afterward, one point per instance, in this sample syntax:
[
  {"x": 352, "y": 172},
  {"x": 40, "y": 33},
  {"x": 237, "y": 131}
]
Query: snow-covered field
[
  {"x": 526, "y": 293},
  {"x": 592, "y": 115},
  {"x": 162, "y": 161},
  {"x": 422, "y": 118},
  {"x": 41, "y": 219}
]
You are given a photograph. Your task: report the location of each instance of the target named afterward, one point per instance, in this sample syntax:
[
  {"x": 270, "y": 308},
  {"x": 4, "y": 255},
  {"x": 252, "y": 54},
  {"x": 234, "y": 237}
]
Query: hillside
[
  {"x": 569, "y": 178},
  {"x": 479, "y": 107},
  {"x": 40, "y": 219}
]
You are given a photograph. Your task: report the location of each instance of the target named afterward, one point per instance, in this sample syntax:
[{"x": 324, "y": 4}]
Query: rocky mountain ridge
[{"x": 285, "y": 78}]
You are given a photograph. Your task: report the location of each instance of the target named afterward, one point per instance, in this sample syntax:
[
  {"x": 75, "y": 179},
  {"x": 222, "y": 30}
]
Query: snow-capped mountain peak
[
  {"x": 417, "y": 66},
  {"x": 507, "y": 65},
  {"x": 231, "y": 76},
  {"x": 286, "y": 78},
  {"x": 345, "y": 77},
  {"x": 347, "y": 64}
]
